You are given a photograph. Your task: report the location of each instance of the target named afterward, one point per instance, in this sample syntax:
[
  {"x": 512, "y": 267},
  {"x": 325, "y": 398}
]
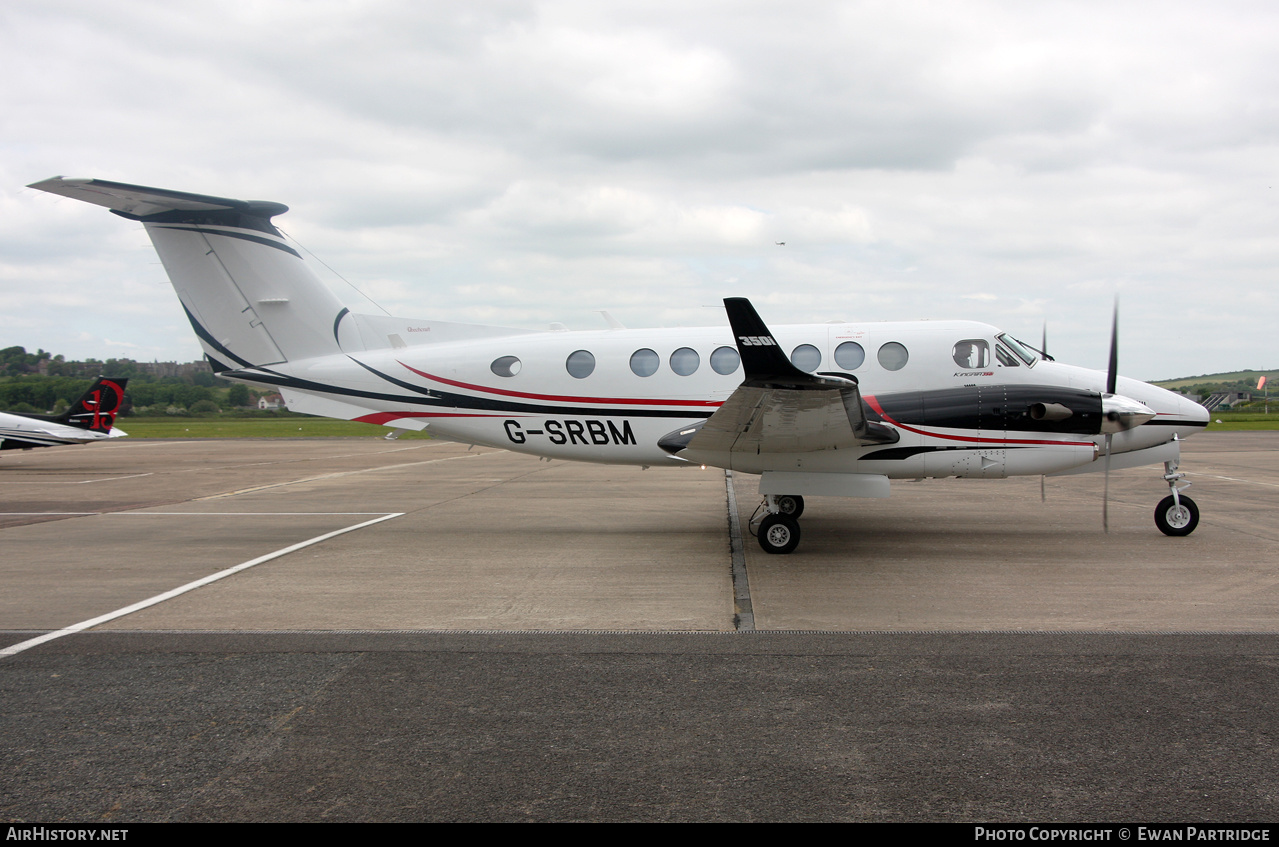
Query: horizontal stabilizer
[{"x": 139, "y": 201}]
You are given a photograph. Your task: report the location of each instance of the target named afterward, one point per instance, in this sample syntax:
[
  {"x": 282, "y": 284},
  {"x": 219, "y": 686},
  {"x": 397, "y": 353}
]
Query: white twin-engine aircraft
[{"x": 821, "y": 409}]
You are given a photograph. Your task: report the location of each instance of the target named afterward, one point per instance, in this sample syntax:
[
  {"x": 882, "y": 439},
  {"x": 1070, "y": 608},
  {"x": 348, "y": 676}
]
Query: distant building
[
  {"x": 270, "y": 402},
  {"x": 1226, "y": 400},
  {"x": 173, "y": 368}
]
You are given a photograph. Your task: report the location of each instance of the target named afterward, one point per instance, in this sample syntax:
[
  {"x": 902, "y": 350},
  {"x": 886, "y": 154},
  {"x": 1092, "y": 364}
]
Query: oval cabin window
[
  {"x": 644, "y": 362},
  {"x": 580, "y": 364},
  {"x": 505, "y": 366},
  {"x": 893, "y": 356}
]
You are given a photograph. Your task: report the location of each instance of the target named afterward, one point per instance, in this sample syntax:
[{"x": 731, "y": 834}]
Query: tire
[
  {"x": 1172, "y": 520},
  {"x": 791, "y": 504},
  {"x": 778, "y": 534}
]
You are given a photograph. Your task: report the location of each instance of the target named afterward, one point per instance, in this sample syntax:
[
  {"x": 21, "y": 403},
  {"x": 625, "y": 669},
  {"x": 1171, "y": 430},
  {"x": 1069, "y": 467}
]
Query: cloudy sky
[{"x": 519, "y": 163}]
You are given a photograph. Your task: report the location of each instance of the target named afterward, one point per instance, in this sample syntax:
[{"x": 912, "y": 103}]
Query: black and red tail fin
[{"x": 96, "y": 409}]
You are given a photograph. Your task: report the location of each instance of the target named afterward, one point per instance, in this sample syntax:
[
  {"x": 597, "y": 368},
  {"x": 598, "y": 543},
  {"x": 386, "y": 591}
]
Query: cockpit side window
[
  {"x": 971, "y": 353},
  {"x": 1020, "y": 349}
]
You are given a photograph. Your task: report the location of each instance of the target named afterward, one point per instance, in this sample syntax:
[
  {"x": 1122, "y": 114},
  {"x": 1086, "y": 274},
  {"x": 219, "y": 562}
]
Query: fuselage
[
  {"x": 959, "y": 394},
  {"x": 941, "y": 398}
]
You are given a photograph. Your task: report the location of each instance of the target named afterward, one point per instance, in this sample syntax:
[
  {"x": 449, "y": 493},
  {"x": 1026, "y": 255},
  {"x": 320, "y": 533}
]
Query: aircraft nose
[
  {"x": 1193, "y": 411},
  {"x": 1187, "y": 416}
]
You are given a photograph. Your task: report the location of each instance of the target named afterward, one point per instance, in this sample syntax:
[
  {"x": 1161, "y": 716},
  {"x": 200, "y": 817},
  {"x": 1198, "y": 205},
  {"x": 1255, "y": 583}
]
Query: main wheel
[
  {"x": 1176, "y": 520},
  {"x": 791, "y": 504},
  {"x": 778, "y": 534}
]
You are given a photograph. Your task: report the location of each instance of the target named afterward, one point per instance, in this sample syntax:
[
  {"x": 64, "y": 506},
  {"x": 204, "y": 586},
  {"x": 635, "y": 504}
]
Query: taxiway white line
[
  {"x": 1232, "y": 479},
  {"x": 341, "y": 474},
  {"x": 190, "y": 586},
  {"x": 71, "y": 481},
  {"x": 236, "y": 514},
  {"x": 194, "y": 514}
]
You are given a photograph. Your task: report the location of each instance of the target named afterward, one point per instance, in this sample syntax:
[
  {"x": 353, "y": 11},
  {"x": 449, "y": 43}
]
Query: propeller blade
[
  {"x": 1105, "y": 491},
  {"x": 1112, "y": 373},
  {"x": 1043, "y": 344}
]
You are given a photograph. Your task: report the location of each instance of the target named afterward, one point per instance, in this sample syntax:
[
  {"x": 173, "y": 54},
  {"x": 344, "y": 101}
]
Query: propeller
[
  {"x": 1043, "y": 350},
  {"x": 1112, "y": 379}
]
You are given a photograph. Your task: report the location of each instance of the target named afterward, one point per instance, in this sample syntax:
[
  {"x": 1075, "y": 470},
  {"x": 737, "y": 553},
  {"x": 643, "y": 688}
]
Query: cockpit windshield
[{"x": 1018, "y": 348}]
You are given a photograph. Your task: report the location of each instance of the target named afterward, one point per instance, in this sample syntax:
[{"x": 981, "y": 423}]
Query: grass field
[
  {"x": 1243, "y": 420},
  {"x": 1233, "y": 376},
  {"x": 293, "y": 427}
]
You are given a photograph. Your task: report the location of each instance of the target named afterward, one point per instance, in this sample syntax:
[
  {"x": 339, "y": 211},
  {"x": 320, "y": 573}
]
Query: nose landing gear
[{"x": 1176, "y": 515}]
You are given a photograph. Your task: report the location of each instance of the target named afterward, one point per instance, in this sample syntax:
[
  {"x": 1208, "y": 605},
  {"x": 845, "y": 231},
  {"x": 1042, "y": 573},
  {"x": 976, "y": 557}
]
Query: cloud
[{"x": 526, "y": 162}]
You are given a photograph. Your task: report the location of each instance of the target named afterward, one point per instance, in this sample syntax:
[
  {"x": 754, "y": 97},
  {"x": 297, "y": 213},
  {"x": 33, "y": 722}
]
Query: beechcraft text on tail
[
  {"x": 820, "y": 409},
  {"x": 89, "y": 419}
]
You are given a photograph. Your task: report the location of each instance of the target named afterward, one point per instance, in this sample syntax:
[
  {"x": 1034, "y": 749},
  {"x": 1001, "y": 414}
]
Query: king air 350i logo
[
  {"x": 757, "y": 340},
  {"x": 573, "y": 432}
]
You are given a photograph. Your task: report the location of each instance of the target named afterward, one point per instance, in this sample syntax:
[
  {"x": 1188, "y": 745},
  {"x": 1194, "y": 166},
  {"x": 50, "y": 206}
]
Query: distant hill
[{"x": 1217, "y": 379}]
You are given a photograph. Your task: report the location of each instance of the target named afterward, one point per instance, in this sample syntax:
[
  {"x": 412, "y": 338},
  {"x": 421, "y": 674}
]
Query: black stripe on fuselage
[
  {"x": 461, "y": 402},
  {"x": 993, "y": 407},
  {"x": 901, "y": 454},
  {"x": 336, "y": 322},
  {"x": 25, "y": 442}
]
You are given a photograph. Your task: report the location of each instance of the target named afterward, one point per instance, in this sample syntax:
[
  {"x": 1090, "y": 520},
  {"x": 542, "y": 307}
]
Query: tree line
[{"x": 24, "y": 390}]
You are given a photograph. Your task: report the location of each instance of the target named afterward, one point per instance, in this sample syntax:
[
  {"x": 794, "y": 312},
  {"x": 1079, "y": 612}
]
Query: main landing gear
[
  {"x": 779, "y": 529},
  {"x": 1175, "y": 514}
]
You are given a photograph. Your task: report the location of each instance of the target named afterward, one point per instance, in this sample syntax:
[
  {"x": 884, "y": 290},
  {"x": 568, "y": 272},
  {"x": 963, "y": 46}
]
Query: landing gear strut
[
  {"x": 779, "y": 528},
  {"x": 1176, "y": 514}
]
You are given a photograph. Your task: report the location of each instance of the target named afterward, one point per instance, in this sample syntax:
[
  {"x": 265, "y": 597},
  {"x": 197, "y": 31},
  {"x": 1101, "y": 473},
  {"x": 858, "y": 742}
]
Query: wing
[{"x": 778, "y": 408}]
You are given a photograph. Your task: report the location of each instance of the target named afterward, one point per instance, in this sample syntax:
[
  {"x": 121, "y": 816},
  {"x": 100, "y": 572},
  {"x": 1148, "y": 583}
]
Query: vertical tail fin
[
  {"x": 96, "y": 409},
  {"x": 249, "y": 296}
]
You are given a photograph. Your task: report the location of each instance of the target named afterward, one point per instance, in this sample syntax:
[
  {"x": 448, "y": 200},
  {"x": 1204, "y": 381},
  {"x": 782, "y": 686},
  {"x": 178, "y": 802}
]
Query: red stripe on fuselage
[
  {"x": 556, "y": 398},
  {"x": 382, "y": 418}
]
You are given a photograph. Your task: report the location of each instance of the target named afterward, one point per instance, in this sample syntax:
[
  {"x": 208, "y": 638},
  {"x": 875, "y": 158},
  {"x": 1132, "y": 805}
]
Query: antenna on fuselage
[
  {"x": 331, "y": 270},
  {"x": 613, "y": 323}
]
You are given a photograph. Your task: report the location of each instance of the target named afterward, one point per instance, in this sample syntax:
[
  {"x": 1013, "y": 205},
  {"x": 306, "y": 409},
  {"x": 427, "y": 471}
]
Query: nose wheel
[{"x": 1176, "y": 515}]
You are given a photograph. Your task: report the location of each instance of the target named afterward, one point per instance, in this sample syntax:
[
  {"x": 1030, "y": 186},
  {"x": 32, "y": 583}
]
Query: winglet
[{"x": 763, "y": 360}]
